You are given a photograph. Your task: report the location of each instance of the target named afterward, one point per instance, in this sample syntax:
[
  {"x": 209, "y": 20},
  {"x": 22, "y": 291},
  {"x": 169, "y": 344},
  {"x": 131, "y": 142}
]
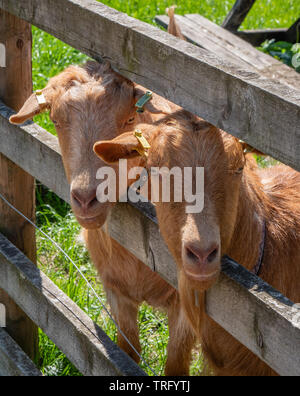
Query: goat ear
[
  {"x": 122, "y": 147},
  {"x": 173, "y": 27},
  {"x": 31, "y": 108},
  {"x": 59, "y": 84},
  {"x": 156, "y": 105},
  {"x": 98, "y": 70}
]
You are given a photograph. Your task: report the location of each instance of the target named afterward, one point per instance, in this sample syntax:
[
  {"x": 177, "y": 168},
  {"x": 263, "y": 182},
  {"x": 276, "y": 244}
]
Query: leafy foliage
[{"x": 288, "y": 53}]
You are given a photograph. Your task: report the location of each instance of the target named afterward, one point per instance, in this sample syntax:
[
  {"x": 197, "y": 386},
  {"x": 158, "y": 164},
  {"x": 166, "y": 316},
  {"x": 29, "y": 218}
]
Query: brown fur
[{"x": 239, "y": 202}]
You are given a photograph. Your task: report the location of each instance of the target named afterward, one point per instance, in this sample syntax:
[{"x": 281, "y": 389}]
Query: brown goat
[
  {"x": 88, "y": 104},
  {"x": 240, "y": 202}
]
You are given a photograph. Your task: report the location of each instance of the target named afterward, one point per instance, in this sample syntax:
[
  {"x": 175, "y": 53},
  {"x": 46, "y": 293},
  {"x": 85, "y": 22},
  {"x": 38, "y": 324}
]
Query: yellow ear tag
[
  {"x": 40, "y": 97},
  {"x": 143, "y": 142}
]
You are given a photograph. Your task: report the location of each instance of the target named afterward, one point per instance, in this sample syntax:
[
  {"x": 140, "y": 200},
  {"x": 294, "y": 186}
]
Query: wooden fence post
[{"x": 15, "y": 184}]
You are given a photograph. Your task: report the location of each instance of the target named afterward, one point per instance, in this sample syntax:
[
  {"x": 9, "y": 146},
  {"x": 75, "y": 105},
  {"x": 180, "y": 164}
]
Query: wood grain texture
[
  {"x": 36, "y": 150},
  {"x": 141, "y": 237},
  {"x": 253, "y": 312},
  {"x": 231, "y": 48},
  {"x": 13, "y": 361},
  {"x": 75, "y": 334},
  {"x": 207, "y": 37},
  {"x": 237, "y": 14},
  {"x": 272, "y": 333},
  {"x": 256, "y": 109},
  {"x": 15, "y": 184}
]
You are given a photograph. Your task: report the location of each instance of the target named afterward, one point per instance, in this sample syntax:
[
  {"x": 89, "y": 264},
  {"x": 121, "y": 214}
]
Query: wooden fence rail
[
  {"x": 231, "y": 48},
  {"x": 13, "y": 360},
  {"x": 260, "y": 111},
  {"x": 249, "y": 309},
  {"x": 75, "y": 334}
]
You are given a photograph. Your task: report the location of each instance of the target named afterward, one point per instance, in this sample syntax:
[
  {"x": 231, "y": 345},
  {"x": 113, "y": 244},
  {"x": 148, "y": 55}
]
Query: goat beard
[{"x": 192, "y": 297}]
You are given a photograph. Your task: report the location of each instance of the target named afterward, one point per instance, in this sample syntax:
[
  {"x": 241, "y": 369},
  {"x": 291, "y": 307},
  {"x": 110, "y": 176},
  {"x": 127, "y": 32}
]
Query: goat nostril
[
  {"x": 191, "y": 255},
  {"x": 84, "y": 200},
  {"x": 211, "y": 257},
  {"x": 197, "y": 254},
  {"x": 93, "y": 202},
  {"x": 76, "y": 199}
]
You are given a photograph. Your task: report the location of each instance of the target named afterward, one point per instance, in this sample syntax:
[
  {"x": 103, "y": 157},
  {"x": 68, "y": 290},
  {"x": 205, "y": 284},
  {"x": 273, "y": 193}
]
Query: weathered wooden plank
[
  {"x": 36, "y": 151},
  {"x": 237, "y": 14},
  {"x": 232, "y": 49},
  {"x": 268, "y": 323},
  {"x": 13, "y": 361},
  {"x": 240, "y": 302},
  {"x": 233, "y": 43},
  {"x": 199, "y": 34},
  {"x": 265, "y": 64},
  {"x": 15, "y": 87},
  {"x": 75, "y": 334},
  {"x": 143, "y": 239},
  {"x": 238, "y": 101}
]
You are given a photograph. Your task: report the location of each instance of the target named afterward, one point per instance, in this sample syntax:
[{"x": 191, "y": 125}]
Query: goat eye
[
  {"x": 240, "y": 170},
  {"x": 131, "y": 120}
]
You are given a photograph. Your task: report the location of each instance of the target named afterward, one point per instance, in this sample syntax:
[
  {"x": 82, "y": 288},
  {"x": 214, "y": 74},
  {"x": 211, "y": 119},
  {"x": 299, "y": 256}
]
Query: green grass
[{"x": 50, "y": 56}]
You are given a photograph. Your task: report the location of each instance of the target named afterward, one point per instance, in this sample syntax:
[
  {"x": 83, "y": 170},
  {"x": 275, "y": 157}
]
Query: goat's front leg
[
  {"x": 181, "y": 343},
  {"x": 125, "y": 312}
]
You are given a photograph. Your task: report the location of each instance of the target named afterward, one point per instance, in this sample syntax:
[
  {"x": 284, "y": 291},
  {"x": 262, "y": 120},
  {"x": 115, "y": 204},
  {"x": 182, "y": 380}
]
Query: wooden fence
[{"x": 249, "y": 309}]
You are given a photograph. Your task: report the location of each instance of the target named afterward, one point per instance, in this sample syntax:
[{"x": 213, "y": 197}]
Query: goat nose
[
  {"x": 85, "y": 199},
  {"x": 197, "y": 254}
]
